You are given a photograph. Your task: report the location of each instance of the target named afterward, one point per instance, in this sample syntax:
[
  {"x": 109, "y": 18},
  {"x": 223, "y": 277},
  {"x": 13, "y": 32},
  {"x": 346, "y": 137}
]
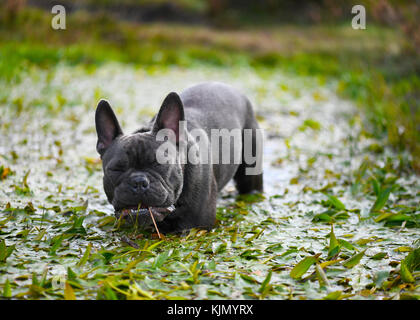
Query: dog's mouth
[
  {"x": 141, "y": 214},
  {"x": 142, "y": 208}
]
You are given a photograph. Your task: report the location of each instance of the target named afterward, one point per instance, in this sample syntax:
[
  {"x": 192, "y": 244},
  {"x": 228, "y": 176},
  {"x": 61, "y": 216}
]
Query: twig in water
[{"x": 154, "y": 222}]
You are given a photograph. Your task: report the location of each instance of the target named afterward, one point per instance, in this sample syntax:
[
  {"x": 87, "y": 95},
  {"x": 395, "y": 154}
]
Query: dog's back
[{"x": 215, "y": 105}]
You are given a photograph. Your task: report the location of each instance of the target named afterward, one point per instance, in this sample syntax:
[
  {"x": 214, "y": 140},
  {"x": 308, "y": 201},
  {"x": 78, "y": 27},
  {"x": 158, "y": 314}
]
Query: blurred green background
[{"x": 378, "y": 68}]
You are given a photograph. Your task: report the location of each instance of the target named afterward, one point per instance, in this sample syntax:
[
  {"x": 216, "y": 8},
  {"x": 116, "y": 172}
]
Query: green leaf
[
  {"x": 77, "y": 227},
  {"x": 346, "y": 244},
  {"x": 375, "y": 186},
  {"x": 35, "y": 281},
  {"x": 7, "y": 290},
  {"x": 412, "y": 260},
  {"x": 107, "y": 255},
  {"x": 265, "y": 282},
  {"x": 71, "y": 275},
  {"x": 335, "y": 295},
  {"x": 383, "y": 216},
  {"x": 381, "y": 199},
  {"x": 403, "y": 249},
  {"x": 86, "y": 256},
  {"x": 212, "y": 265},
  {"x": 68, "y": 292},
  {"x": 334, "y": 247},
  {"x": 151, "y": 247},
  {"x": 324, "y": 216},
  {"x": 221, "y": 248},
  {"x": 379, "y": 256},
  {"x": 274, "y": 247},
  {"x": 248, "y": 278},
  {"x": 56, "y": 243},
  {"x": 250, "y": 254},
  {"x": 161, "y": 259},
  {"x": 303, "y": 266},
  {"x": 335, "y": 202},
  {"x": 132, "y": 264},
  {"x": 354, "y": 260},
  {"x": 322, "y": 277},
  {"x": 405, "y": 273},
  {"x": 398, "y": 217},
  {"x": 5, "y": 251},
  {"x": 25, "y": 179}
]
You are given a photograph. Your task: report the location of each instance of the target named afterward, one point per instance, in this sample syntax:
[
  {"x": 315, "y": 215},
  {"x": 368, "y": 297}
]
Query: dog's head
[{"x": 132, "y": 175}]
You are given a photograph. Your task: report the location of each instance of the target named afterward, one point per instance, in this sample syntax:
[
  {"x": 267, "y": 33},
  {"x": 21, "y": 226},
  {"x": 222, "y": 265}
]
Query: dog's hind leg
[
  {"x": 247, "y": 178},
  {"x": 247, "y": 183}
]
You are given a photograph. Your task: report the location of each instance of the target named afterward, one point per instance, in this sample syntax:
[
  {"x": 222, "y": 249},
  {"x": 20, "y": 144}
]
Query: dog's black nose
[{"x": 139, "y": 183}]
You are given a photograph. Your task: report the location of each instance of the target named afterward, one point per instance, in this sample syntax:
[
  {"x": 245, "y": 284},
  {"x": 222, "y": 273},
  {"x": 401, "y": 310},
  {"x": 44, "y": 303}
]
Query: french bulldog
[{"x": 181, "y": 194}]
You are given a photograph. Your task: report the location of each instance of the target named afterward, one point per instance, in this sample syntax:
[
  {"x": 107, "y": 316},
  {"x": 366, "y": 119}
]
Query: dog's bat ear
[
  {"x": 107, "y": 126},
  {"x": 170, "y": 114}
]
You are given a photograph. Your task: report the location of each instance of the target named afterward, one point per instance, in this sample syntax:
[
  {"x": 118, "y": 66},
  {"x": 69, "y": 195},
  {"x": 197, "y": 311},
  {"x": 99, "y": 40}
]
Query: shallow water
[{"x": 314, "y": 143}]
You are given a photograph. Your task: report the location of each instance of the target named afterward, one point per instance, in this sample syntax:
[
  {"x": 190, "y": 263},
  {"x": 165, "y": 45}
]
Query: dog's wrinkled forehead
[{"x": 137, "y": 148}]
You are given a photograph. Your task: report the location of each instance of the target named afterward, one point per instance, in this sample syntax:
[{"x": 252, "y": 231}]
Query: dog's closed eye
[{"x": 116, "y": 170}]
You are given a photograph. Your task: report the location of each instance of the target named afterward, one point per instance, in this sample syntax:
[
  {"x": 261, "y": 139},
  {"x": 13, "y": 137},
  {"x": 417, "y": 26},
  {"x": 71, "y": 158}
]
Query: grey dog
[{"x": 180, "y": 195}]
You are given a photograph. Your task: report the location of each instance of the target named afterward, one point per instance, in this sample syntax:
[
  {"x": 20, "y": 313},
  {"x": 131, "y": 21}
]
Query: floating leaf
[
  {"x": 106, "y": 220},
  {"x": 5, "y": 251},
  {"x": 77, "y": 227},
  {"x": 381, "y": 199},
  {"x": 310, "y": 123},
  {"x": 398, "y": 218},
  {"x": 71, "y": 275},
  {"x": 379, "y": 256},
  {"x": 265, "y": 282},
  {"x": 68, "y": 292},
  {"x": 324, "y": 216},
  {"x": 299, "y": 270},
  {"x": 335, "y": 202},
  {"x": 362, "y": 242},
  {"x": 250, "y": 254},
  {"x": 248, "y": 278},
  {"x": 328, "y": 263},
  {"x": 7, "y": 290},
  {"x": 405, "y": 273},
  {"x": 220, "y": 248},
  {"x": 132, "y": 264},
  {"x": 154, "y": 245},
  {"x": 56, "y": 243},
  {"x": 346, "y": 244},
  {"x": 376, "y": 187},
  {"x": 330, "y": 215},
  {"x": 412, "y": 260},
  {"x": 322, "y": 277},
  {"x": 85, "y": 256},
  {"x": 354, "y": 260},
  {"x": 383, "y": 216},
  {"x": 334, "y": 247},
  {"x": 160, "y": 259},
  {"x": 335, "y": 295},
  {"x": 274, "y": 247}
]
